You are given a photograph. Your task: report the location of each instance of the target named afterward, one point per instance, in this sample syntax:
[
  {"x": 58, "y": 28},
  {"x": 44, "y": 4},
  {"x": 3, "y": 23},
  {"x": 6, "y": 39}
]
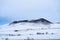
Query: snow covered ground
[{"x": 29, "y": 31}]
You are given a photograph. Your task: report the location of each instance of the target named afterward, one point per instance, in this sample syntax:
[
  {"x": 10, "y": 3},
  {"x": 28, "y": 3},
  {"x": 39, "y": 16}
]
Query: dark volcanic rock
[
  {"x": 14, "y": 22},
  {"x": 41, "y": 20}
]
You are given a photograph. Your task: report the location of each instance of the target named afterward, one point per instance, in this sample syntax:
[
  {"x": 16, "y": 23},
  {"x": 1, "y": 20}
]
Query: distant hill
[{"x": 40, "y": 20}]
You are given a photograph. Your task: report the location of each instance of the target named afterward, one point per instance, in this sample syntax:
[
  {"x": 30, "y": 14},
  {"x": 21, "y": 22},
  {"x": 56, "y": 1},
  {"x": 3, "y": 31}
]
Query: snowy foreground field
[{"x": 30, "y": 31}]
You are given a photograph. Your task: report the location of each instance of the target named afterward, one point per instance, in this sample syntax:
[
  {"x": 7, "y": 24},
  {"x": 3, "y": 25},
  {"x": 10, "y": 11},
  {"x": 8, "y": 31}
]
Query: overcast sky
[{"x": 11, "y": 10}]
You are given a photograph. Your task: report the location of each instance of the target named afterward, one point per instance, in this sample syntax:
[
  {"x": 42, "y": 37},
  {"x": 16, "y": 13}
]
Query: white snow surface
[{"x": 29, "y": 31}]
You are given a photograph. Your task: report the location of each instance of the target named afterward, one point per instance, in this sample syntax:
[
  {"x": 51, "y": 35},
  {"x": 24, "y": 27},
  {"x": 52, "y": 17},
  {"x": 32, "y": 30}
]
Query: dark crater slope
[{"x": 41, "y": 20}]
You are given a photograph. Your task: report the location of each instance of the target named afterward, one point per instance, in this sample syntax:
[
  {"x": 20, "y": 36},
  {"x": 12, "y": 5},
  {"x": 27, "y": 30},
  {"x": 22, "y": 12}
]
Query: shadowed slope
[{"x": 41, "y": 20}]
